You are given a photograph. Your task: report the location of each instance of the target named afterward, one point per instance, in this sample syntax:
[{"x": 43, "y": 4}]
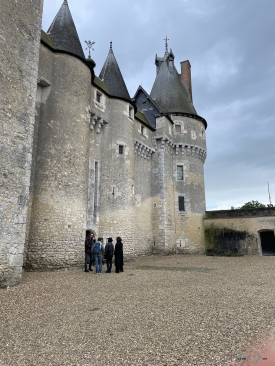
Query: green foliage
[{"x": 253, "y": 204}]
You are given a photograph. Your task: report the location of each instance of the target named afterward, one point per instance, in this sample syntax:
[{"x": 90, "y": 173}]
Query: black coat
[
  {"x": 88, "y": 246},
  {"x": 119, "y": 254},
  {"x": 109, "y": 250}
]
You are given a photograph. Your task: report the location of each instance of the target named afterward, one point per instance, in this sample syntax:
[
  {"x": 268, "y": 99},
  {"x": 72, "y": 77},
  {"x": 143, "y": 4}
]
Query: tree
[{"x": 253, "y": 204}]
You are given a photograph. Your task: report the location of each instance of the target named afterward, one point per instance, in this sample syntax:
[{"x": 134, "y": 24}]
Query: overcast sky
[{"x": 231, "y": 47}]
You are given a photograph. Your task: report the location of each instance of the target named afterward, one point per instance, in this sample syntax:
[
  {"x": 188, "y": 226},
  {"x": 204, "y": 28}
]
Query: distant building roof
[
  {"x": 112, "y": 77},
  {"x": 169, "y": 90},
  {"x": 63, "y": 32}
]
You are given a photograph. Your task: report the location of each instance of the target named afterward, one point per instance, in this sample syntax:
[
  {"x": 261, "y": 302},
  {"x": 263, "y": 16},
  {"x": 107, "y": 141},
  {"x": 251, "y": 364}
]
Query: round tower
[
  {"x": 58, "y": 220},
  {"x": 181, "y": 152},
  {"x": 117, "y": 157}
]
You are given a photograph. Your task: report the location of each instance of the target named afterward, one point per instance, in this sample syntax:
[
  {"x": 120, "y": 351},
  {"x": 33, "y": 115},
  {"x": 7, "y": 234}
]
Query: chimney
[{"x": 186, "y": 76}]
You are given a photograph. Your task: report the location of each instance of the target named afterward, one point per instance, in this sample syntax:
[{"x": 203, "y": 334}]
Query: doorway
[{"x": 268, "y": 242}]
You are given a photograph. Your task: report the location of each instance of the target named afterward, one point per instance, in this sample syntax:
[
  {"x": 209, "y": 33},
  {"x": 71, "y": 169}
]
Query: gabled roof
[
  {"x": 169, "y": 90},
  {"x": 112, "y": 77},
  {"x": 63, "y": 32},
  {"x": 140, "y": 89},
  {"x": 148, "y": 107}
]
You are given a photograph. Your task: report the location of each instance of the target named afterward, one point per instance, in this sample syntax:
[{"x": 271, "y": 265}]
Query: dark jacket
[
  {"x": 109, "y": 250},
  {"x": 119, "y": 254},
  {"x": 88, "y": 245}
]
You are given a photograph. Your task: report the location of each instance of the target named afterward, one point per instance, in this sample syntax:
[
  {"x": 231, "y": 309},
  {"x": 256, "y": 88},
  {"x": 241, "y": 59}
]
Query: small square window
[
  {"x": 181, "y": 204},
  {"x": 179, "y": 172},
  {"x": 98, "y": 97},
  {"x": 120, "y": 149},
  {"x": 178, "y": 128}
]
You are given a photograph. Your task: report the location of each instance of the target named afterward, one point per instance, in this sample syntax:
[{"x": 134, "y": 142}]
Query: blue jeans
[{"x": 98, "y": 263}]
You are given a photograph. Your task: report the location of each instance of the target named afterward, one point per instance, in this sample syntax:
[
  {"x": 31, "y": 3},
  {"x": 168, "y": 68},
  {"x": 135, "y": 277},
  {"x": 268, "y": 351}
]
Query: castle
[{"x": 79, "y": 154}]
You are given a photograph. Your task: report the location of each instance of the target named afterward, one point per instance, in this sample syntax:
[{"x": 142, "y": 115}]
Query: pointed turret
[
  {"x": 169, "y": 90},
  {"x": 112, "y": 77},
  {"x": 63, "y": 32}
]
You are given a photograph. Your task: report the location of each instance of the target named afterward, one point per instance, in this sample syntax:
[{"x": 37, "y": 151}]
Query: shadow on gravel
[{"x": 181, "y": 269}]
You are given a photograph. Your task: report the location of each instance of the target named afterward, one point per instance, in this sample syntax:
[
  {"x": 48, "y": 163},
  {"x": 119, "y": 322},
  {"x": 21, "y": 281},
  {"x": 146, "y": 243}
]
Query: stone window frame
[
  {"x": 181, "y": 124},
  {"x": 131, "y": 112},
  {"x": 193, "y": 135},
  {"x": 178, "y": 166},
  {"x": 182, "y": 212},
  {"x": 143, "y": 130},
  {"x": 98, "y": 97},
  {"x": 121, "y": 149},
  {"x": 99, "y": 100}
]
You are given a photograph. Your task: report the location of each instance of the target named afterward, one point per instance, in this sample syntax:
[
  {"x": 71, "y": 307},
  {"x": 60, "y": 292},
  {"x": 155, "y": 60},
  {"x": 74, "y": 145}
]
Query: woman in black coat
[{"x": 119, "y": 255}]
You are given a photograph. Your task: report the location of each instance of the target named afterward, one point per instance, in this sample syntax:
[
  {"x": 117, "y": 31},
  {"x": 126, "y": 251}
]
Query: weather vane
[
  {"x": 166, "y": 43},
  {"x": 89, "y": 47}
]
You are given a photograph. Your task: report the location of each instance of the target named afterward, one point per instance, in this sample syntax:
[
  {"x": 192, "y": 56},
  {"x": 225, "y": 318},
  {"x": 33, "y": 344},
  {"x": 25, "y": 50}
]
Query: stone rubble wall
[
  {"x": 20, "y": 25},
  {"x": 237, "y": 231}
]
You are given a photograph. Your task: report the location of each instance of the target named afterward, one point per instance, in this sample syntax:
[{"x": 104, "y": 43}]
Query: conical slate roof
[
  {"x": 63, "y": 32},
  {"x": 169, "y": 90},
  {"x": 112, "y": 77}
]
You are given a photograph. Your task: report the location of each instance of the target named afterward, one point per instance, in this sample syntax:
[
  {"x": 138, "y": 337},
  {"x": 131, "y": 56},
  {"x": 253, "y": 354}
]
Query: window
[
  {"x": 193, "y": 135},
  {"x": 131, "y": 111},
  {"x": 178, "y": 128},
  {"x": 98, "y": 97},
  {"x": 179, "y": 172},
  {"x": 120, "y": 149},
  {"x": 142, "y": 130},
  {"x": 181, "y": 204}
]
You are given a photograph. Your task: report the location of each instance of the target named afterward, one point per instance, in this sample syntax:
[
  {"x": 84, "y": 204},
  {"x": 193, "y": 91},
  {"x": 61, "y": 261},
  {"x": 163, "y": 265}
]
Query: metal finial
[
  {"x": 89, "y": 47},
  {"x": 166, "y": 44},
  {"x": 111, "y": 47}
]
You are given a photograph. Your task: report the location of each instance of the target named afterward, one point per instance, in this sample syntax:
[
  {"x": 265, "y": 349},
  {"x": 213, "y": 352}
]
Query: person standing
[
  {"x": 88, "y": 252},
  {"x": 98, "y": 254},
  {"x": 103, "y": 245},
  {"x": 119, "y": 255},
  {"x": 109, "y": 252}
]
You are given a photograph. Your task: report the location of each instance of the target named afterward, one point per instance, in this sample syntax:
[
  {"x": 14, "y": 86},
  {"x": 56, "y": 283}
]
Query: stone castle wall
[
  {"x": 237, "y": 231},
  {"x": 89, "y": 164},
  {"x": 19, "y": 47}
]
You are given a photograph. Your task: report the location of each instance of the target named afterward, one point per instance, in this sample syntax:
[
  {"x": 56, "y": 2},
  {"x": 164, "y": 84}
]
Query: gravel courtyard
[{"x": 175, "y": 310}]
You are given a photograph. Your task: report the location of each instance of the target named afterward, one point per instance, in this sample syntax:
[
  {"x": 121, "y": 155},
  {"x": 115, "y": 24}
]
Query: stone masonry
[{"x": 19, "y": 46}]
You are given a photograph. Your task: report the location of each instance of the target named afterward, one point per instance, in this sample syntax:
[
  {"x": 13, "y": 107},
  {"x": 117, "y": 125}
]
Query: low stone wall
[{"x": 237, "y": 232}]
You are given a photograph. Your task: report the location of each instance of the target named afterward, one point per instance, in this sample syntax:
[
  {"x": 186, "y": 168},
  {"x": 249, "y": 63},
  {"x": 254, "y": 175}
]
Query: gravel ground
[{"x": 176, "y": 310}]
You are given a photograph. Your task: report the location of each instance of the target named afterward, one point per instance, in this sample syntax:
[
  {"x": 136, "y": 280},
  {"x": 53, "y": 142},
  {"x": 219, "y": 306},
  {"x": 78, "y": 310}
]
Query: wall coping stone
[{"x": 245, "y": 213}]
